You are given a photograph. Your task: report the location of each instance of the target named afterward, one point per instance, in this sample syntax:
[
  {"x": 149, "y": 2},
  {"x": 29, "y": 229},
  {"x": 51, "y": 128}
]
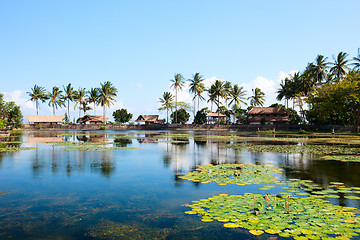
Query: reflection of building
[
  {"x": 44, "y": 139},
  {"x": 43, "y": 119},
  {"x": 269, "y": 115},
  {"x": 150, "y": 119},
  {"x": 93, "y": 119},
  {"x": 215, "y": 117}
]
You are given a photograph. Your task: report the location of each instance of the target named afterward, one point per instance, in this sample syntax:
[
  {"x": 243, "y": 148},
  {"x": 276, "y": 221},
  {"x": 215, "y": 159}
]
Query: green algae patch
[
  {"x": 15, "y": 149},
  {"x": 241, "y": 174},
  {"x": 95, "y": 148},
  {"x": 297, "y": 217},
  {"x": 299, "y": 149},
  {"x": 343, "y": 158}
]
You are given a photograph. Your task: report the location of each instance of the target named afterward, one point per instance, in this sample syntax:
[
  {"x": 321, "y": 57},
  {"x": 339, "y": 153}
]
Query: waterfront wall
[{"x": 192, "y": 127}]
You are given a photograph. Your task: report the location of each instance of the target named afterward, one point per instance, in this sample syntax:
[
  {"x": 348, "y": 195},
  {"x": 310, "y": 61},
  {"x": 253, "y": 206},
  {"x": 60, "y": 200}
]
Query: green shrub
[
  {"x": 39, "y": 126},
  {"x": 102, "y": 128}
]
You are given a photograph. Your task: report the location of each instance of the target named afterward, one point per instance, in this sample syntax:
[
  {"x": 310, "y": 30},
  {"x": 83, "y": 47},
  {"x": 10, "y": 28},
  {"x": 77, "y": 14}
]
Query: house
[
  {"x": 93, "y": 119},
  {"x": 43, "y": 119},
  {"x": 215, "y": 117},
  {"x": 150, "y": 119},
  {"x": 270, "y": 115}
]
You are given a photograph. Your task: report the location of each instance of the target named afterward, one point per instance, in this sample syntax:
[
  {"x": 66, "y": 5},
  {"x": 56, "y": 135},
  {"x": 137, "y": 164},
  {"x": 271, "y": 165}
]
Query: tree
[
  {"x": 258, "y": 97},
  {"x": 14, "y": 115},
  {"x": 38, "y": 94},
  {"x": 80, "y": 98},
  {"x": 196, "y": 87},
  {"x": 107, "y": 94},
  {"x": 320, "y": 69},
  {"x": 339, "y": 66},
  {"x": 182, "y": 116},
  {"x": 69, "y": 95},
  {"x": 177, "y": 83},
  {"x": 122, "y": 116},
  {"x": 237, "y": 95},
  {"x": 200, "y": 117},
  {"x": 56, "y": 99},
  {"x": 218, "y": 91},
  {"x": 93, "y": 97},
  {"x": 294, "y": 117},
  {"x": 356, "y": 62},
  {"x": 166, "y": 103}
]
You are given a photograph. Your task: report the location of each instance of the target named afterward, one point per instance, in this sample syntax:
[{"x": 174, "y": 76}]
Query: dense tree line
[
  {"x": 57, "y": 98},
  {"x": 329, "y": 88}
]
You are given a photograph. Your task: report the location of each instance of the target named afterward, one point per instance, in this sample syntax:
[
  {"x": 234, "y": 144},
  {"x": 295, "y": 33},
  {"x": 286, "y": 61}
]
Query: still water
[{"x": 52, "y": 193}]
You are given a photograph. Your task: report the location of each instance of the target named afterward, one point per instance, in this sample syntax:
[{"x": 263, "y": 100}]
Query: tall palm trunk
[
  {"x": 68, "y": 110},
  {"x": 104, "y": 113},
  {"x": 53, "y": 109},
  {"x": 175, "y": 105},
  {"x": 37, "y": 107},
  {"x": 94, "y": 109}
]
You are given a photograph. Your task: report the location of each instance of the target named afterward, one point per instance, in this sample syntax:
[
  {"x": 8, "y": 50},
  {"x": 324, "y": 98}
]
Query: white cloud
[{"x": 17, "y": 96}]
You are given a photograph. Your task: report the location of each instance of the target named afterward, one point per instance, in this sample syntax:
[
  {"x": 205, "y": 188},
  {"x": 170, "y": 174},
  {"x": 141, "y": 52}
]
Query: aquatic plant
[
  {"x": 343, "y": 158},
  {"x": 240, "y": 174},
  {"x": 298, "y": 217},
  {"x": 95, "y": 148},
  {"x": 15, "y": 149}
]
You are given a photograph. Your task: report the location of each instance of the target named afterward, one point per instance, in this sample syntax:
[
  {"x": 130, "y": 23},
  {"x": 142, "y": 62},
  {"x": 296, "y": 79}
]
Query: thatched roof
[
  {"x": 267, "y": 111},
  {"x": 45, "y": 119},
  {"x": 147, "y": 118},
  {"x": 215, "y": 114},
  {"x": 94, "y": 118}
]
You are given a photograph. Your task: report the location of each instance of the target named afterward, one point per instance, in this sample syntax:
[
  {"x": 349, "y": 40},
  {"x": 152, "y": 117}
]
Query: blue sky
[{"x": 140, "y": 45}]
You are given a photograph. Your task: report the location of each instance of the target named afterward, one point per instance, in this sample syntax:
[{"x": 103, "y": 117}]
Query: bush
[
  {"x": 102, "y": 128},
  {"x": 39, "y": 126},
  {"x": 263, "y": 121}
]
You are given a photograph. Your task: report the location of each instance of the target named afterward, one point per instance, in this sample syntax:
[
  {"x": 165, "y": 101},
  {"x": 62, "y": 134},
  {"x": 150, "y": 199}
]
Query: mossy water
[{"x": 138, "y": 191}]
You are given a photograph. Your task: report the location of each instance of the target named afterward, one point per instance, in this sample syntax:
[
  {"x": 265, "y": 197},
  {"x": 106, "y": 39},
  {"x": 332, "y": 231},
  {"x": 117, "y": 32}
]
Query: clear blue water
[{"x": 49, "y": 193}]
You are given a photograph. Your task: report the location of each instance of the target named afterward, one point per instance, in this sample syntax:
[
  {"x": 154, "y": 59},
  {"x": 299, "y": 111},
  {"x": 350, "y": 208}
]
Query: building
[
  {"x": 150, "y": 119},
  {"x": 269, "y": 115},
  {"x": 41, "y": 119},
  {"x": 93, "y": 119},
  {"x": 215, "y": 117}
]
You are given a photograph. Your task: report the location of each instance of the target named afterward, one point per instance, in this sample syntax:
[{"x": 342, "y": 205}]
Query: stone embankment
[{"x": 189, "y": 127}]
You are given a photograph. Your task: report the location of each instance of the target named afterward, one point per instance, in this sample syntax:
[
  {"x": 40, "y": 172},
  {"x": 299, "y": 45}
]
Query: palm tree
[
  {"x": 107, "y": 94},
  {"x": 218, "y": 91},
  {"x": 69, "y": 95},
  {"x": 339, "y": 66},
  {"x": 258, "y": 97},
  {"x": 178, "y": 83},
  {"x": 38, "y": 93},
  {"x": 320, "y": 68},
  {"x": 56, "y": 99},
  {"x": 227, "y": 91},
  {"x": 80, "y": 98},
  {"x": 196, "y": 87},
  {"x": 92, "y": 97},
  {"x": 237, "y": 95},
  {"x": 212, "y": 97},
  {"x": 356, "y": 62},
  {"x": 167, "y": 103}
]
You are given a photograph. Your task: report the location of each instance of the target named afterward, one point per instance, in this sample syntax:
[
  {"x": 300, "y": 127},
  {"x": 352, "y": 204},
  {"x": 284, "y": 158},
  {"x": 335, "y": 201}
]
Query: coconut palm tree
[
  {"x": 258, "y": 97},
  {"x": 177, "y": 83},
  {"x": 218, "y": 91},
  {"x": 166, "y": 103},
  {"x": 227, "y": 92},
  {"x": 69, "y": 95},
  {"x": 237, "y": 95},
  {"x": 212, "y": 97},
  {"x": 37, "y": 94},
  {"x": 356, "y": 62},
  {"x": 196, "y": 87},
  {"x": 319, "y": 70},
  {"x": 92, "y": 97},
  {"x": 56, "y": 99},
  {"x": 339, "y": 66},
  {"x": 107, "y": 94},
  {"x": 80, "y": 98}
]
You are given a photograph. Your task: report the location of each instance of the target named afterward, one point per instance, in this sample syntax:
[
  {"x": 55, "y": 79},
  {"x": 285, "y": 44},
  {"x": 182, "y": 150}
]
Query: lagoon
[{"x": 135, "y": 189}]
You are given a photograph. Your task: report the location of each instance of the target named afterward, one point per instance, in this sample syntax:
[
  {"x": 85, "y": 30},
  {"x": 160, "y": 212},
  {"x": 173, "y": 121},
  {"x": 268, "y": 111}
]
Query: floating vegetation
[
  {"x": 15, "y": 149},
  {"x": 240, "y": 174},
  {"x": 298, "y": 217},
  {"x": 343, "y": 158},
  {"x": 95, "y": 148},
  {"x": 307, "y": 149},
  {"x": 67, "y": 143}
]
